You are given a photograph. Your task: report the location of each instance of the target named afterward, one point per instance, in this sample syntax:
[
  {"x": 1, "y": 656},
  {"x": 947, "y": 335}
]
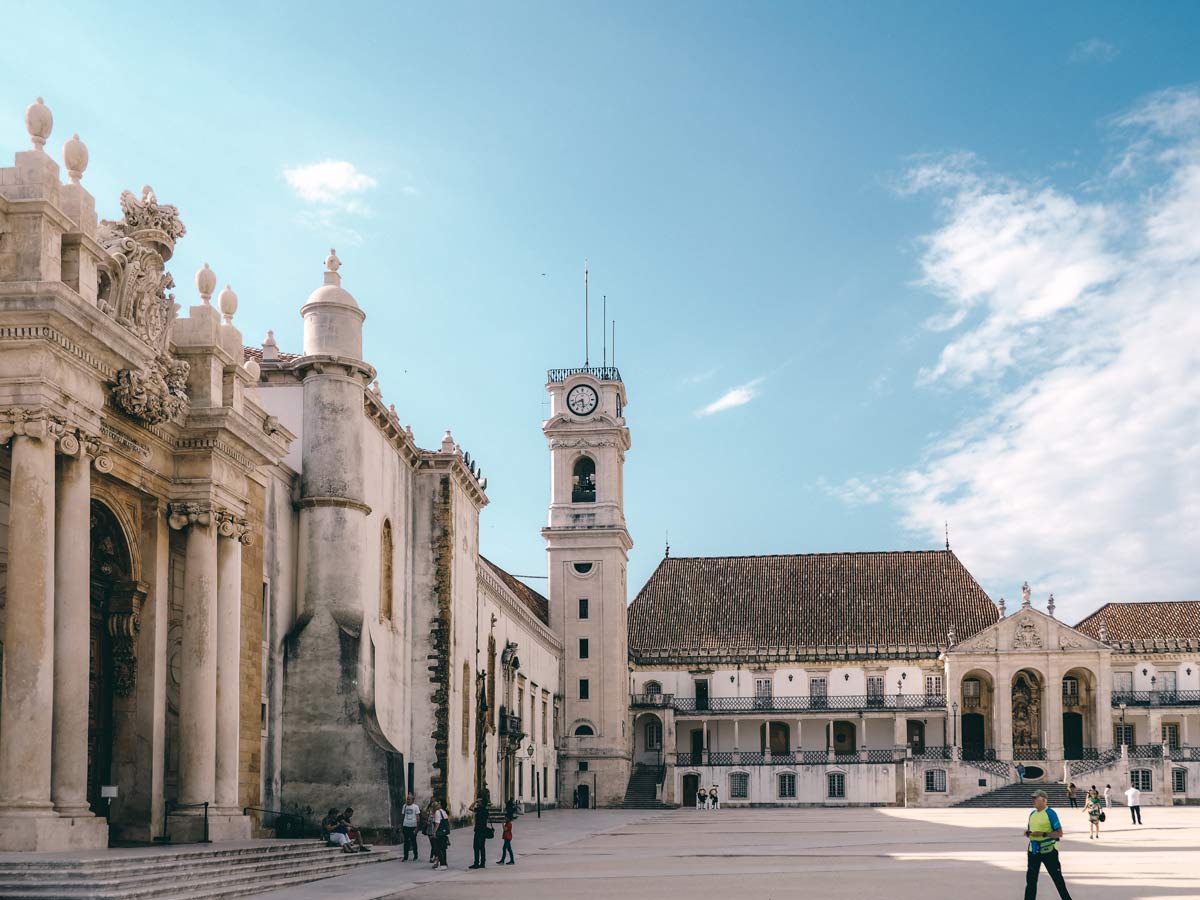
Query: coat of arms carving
[{"x": 1026, "y": 636}]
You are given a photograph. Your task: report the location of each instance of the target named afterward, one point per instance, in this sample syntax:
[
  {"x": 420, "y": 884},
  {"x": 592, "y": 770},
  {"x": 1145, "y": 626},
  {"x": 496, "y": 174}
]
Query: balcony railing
[
  {"x": 1082, "y": 753},
  {"x": 1156, "y": 698},
  {"x": 600, "y": 373},
  {"x": 802, "y": 758},
  {"x": 811, "y": 703},
  {"x": 1145, "y": 751},
  {"x": 1028, "y": 753},
  {"x": 1185, "y": 754},
  {"x": 932, "y": 753},
  {"x": 656, "y": 701}
]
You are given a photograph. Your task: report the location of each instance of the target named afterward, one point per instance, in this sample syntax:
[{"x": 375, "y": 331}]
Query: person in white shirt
[
  {"x": 1107, "y": 792},
  {"x": 411, "y": 816},
  {"x": 1133, "y": 798}
]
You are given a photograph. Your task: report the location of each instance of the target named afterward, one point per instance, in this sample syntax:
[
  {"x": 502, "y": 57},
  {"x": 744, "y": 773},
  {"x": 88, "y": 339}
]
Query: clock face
[{"x": 582, "y": 399}]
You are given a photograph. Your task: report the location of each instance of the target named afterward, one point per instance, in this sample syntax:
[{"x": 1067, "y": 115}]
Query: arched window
[
  {"x": 385, "y": 573},
  {"x": 787, "y": 786},
  {"x": 584, "y": 731},
  {"x": 1070, "y": 691},
  {"x": 1179, "y": 781},
  {"x": 583, "y": 481},
  {"x": 466, "y": 709},
  {"x": 739, "y": 785},
  {"x": 652, "y": 687}
]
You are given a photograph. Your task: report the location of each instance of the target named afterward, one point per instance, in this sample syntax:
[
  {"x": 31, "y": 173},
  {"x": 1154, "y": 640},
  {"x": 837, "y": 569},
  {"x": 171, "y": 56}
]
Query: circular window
[
  {"x": 582, "y": 568},
  {"x": 1033, "y": 772}
]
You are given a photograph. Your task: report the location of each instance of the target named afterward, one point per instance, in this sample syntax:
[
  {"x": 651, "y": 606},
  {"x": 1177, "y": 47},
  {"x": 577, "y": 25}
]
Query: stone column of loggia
[
  {"x": 198, "y": 680},
  {"x": 229, "y": 608},
  {"x": 27, "y": 698},
  {"x": 72, "y": 631}
]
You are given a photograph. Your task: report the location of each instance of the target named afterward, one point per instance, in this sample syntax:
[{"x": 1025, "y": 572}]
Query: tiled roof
[
  {"x": 742, "y": 605},
  {"x": 255, "y": 353},
  {"x": 1162, "y": 621},
  {"x": 537, "y": 604}
]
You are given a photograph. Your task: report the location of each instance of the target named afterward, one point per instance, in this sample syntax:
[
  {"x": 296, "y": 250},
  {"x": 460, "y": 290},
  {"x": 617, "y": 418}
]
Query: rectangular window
[
  {"x": 875, "y": 690},
  {"x": 1179, "y": 781},
  {"x": 817, "y": 692},
  {"x": 583, "y": 648},
  {"x": 1070, "y": 691},
  {"x": 1122, "y": 682},
  {"x": 933, "y": 686},
  {"x": 583, "y": 689},
  {"x": 1141, "y": 779},
  {"x": 1166, "y": 684},
  {"x": 544, "y": 781},
  {"x": 1170, "y": 735},
  {"x": 762, "y": 693},
  {"x": 787, "y": 786},
  {"x": 837, "y": 785},
  {"x": 1123, "y": 734},
  {"x": 739, "y": 786},
  {"x": 583, "y": 607},
  {"x": 583, "y": 765},
  {"x": 935, "y": 781},
  {"x": 544, "y": 721},
  {"x": 520, "y": 779}
]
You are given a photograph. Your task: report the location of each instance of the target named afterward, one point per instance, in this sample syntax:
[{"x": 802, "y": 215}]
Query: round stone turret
[{"x": 332, "y": 319}]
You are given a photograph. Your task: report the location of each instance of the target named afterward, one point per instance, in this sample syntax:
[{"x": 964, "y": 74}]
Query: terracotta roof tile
[
  {"x": 255, "y": 353},
  {"x": 1160, "y": 621},
  {"x": 746, "y": 604},
  {"x": 537, "y": 604}
]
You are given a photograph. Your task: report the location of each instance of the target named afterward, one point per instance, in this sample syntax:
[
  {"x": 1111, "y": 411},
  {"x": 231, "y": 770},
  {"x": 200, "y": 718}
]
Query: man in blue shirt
[{"x": 1043, "y": 832}]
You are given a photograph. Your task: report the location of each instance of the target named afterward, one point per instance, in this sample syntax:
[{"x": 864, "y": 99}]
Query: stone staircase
[
  {"x": 642, "y": 790},
  {"x": 193, "y": 872},
  {"x": 1013, "y": 796}
]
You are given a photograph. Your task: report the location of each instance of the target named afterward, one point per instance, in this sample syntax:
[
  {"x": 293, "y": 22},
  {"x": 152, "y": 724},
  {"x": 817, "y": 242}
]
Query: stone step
[
  {"x": 96, "y": 861},
  {"x": 218, "y": 879}
]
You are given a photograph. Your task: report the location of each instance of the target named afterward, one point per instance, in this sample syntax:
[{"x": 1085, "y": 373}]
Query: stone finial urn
[
  {"x": 75, "y": 156},
  {"x": 39, "y": 121}
]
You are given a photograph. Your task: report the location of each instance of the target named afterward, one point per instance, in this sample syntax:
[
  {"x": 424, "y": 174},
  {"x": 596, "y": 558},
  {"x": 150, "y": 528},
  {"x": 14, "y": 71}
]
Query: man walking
[
  {"x": 1043, "y": 831},
  {"x": 1020, "y": 773},
  {"x": 411, "y": 815},
  {"x": 1133, "y": 797}
]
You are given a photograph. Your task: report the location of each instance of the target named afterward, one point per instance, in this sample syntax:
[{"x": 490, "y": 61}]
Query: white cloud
[
  {"x": 738, "y": 396},
  {"x": 333, "y": 183},
  {"x": 1094, "y": 50},
  {"x": 1078, "y": 321}
]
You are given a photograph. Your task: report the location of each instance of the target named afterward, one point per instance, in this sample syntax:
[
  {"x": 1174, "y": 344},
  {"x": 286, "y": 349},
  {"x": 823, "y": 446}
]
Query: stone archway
[{"x": 978, "y": 715}]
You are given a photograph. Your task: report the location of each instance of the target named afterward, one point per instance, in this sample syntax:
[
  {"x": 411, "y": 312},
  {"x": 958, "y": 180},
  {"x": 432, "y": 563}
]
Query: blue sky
[{"x": 926, "y": 262}]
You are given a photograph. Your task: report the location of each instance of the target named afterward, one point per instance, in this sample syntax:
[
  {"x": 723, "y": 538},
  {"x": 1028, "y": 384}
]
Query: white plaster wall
[{"x": 285, "y": 401}]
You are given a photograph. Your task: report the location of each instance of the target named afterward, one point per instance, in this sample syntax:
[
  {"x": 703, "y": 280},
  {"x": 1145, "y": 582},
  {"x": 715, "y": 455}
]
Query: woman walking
[
  {"x": 1071, "y": 794},
  {"x": 439, "y": 825},
  {"x": 1094, "y": 813}
]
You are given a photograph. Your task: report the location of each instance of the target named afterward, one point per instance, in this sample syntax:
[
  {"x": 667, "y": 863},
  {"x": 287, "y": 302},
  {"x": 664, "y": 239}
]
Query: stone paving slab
[{"x": 855, "y": 854}]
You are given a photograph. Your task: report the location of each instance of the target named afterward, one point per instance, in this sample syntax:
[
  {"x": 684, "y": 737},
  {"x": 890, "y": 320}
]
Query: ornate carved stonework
[
  {"x": 231, "y": 526},
  {"x": 124, "y": 622},
  {"x": 1026, "y": 636},
  {"x": 580, "y": 443},
  {"x": 155, "y": 394},
  {"x": 182, "y": 514},
  {"x": 34, "y": 423}
]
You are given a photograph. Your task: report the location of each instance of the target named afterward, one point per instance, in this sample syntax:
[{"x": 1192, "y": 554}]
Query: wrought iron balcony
[
  {"x": 1156, "y": 698},
  {"x": 932, "y": 753},
  {"x": 1029, "y": 753},
  {"x": 1145, "y": 751},
  {"x": 971, "y": 703},
  {"x": 811, "y": 703},
  {"x": 600, "y": 373},
  {"x": 1185, "y": 754},
  {"x": 1085, "y": 753},
  {"x": 510, "y": 725},
  {"x": 801, "y": 758},
  {"x": 654, "y": 701}
]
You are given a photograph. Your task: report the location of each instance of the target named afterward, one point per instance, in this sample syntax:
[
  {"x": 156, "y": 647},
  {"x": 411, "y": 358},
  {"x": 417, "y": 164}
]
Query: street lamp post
[
  {"x": 954, "y": 709},
  {"x": 537, "y": 784},
  {"x": 1123, "y": 744}
]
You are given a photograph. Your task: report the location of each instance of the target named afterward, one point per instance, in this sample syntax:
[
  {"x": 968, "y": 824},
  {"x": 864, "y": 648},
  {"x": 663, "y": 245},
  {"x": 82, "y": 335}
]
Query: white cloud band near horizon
[
  {"x": 732, "y": 398},
  {"x": 1074, "y": 316}
]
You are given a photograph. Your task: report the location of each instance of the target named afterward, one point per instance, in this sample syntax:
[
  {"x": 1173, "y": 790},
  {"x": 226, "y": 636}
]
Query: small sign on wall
[
  {"x": 983, "y": 782},
  {"x": 108, "y": 791}
]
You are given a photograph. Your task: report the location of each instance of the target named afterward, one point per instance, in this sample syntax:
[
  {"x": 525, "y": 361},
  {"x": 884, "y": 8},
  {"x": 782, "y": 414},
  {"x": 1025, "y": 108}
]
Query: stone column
[
  {"x": 27, "y": 700},
  {"x": 72, "y": 632},
  {"x": 1002, "y": 704},
  {"x": 1054, "y": 714},
  {"x": 198, "y": 680},
  {"x": 229, "y": 613}
]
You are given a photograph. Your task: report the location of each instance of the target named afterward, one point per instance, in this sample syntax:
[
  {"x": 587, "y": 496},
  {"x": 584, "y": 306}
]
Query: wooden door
[{"x": 99, "y": 705}]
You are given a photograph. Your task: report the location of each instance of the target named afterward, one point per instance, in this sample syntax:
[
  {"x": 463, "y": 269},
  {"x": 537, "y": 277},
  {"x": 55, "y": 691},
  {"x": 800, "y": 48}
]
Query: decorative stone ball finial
[
  {"x": 206, "y": 283},
  {"x": 75, "y": 155},
  {"x": 270, "y": 349},
  {"x": 448, "y": 442},
  {"x": 332, "y": 263},
  {"x": 227, "y": 301},
  {"x": 253, "y": 369},
  {"x": 38, "y": 122}
]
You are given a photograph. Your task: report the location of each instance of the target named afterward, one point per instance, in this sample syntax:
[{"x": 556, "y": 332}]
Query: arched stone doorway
[
  {"x": 776, "y": 737},
  {"x": 845, "y": 738},
  {"x": 978, "y": 715},
  {"x": 648, "y": 739},
  {"x": 691, "y": 787},
  {"x": 1028, "y": 702},
  {"x": 116, "y": 604},
  {"x": 1079, "y": 714}
]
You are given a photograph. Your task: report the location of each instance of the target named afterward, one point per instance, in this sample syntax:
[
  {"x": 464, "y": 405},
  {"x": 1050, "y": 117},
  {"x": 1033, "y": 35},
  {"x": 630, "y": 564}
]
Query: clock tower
[{"x": 588, "y": 546}]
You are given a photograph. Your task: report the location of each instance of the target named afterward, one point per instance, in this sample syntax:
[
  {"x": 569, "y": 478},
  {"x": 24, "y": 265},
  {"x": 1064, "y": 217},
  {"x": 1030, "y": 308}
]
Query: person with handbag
[
  {"x": 483, "y": 831},
  {"x": 1095, "y": 815},
  {"x": 439, "y": 834},
  {"x": 506, "y": 849}
]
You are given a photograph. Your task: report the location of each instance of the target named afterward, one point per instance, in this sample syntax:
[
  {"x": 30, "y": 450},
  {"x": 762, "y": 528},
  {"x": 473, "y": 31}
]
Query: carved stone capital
[
  {"x": 32, "y": 423},
  {"x": 181, "y": 514},
  {"x": 229, "y": 525}
]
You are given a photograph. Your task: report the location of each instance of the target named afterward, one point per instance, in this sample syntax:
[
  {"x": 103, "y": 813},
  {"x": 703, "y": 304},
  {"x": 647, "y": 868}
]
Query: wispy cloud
[
  {"x": 1075, "y": 322},
  {"x": 734, "y": 397},
  {"x": 699, "y": 377},
  {"x": 331, "y": 183},
  {"x": 1093, "y": 50}
]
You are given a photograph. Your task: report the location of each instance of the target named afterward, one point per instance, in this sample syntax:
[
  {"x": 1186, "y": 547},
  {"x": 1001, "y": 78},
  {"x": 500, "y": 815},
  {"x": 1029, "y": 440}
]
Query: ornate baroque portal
[{"x": 1027, "y": 715}]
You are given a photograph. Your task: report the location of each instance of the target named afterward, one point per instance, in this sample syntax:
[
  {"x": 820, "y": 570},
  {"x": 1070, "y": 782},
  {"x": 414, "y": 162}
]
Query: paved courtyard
[{"x": 776, "y": 853}]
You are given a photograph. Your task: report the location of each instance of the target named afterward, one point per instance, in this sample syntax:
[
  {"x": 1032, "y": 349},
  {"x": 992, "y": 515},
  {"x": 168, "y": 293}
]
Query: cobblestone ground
[{"x": 776, "y": 853}]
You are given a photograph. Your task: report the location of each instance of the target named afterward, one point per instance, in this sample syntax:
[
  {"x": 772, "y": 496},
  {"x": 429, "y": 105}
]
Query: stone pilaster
[{"x": 232, "y": 533}]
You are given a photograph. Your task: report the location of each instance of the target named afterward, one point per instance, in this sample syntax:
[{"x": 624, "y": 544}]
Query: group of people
[
  {"x": 708, "y": 799},
  {"x": 1044, "y": 830},
  {"x": 337, "y": 828},
  {"x": 434, "y": 823}
]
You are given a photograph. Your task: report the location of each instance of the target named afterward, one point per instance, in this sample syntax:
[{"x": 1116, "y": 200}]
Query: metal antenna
[
  {"x": 947, "y": 535},
  {"x": 614, "y": 327},
  {"x": 604, "y": 328},
  {"x": 586, "y": 339}
]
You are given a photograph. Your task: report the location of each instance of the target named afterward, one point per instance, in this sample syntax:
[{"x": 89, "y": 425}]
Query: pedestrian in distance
[
  {"x": 1107, "y": 794},
  {"x": 1071, "y": 794},
  {"x": 1020, "y": 773},
  {"x": 410, "y": 819},
  {"x": 714, "y": 800},
  {"x": 1095, "y": 815},
  {"x": 439, "y": 829},
  {"x": 482, "y": 832},
  {"x": 1043, "y": 831},
  {"x": 1133, "y": 798},
  {"x": 701, "y": 798},
  {"x": 506, "y": 848}
]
